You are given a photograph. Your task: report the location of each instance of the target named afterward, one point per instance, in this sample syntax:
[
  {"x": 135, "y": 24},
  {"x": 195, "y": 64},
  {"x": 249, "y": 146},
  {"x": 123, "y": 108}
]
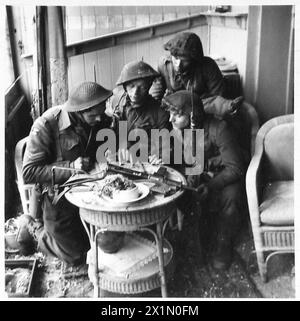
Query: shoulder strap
[{"x": 52, "y": 118}]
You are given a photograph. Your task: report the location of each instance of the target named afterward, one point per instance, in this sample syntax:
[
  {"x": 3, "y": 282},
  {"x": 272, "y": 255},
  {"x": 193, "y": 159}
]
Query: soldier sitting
[
  {"x": 132, "y": 102},
  {"x": 220, "y": 187},
  {"x": 187, "y": 68}
]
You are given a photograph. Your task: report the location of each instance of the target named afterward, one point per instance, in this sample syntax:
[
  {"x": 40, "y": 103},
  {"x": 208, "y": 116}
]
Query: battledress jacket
[
  {"x": 205, "y": 78},
  {"x": 223, "y": 157},
  {"x": 222, "y": 154},
  {"x": 55, "y": 140},
  {"x": 149, "y": 116}
]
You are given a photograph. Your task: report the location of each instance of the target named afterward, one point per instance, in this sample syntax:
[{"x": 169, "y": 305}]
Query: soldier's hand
[
  {"x": 157, "y": 90},
  {"x": 124, "y": 156},
  {"x": 202, "y": 192},
  {"x": 193, "y": 180},
  {"x": 82, "y": 163},
  {"x": 154, "y": 160}
]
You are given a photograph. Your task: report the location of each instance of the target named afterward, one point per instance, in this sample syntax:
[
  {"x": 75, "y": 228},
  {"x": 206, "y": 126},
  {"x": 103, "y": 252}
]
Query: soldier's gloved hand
[{"x": 81, "y": 163}]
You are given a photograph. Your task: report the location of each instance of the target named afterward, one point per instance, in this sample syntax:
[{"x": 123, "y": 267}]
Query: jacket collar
[{"x": 64, "y": 120}]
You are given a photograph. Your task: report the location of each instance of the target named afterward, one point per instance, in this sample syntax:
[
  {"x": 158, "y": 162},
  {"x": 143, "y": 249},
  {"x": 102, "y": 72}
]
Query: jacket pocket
[{"x": 70, "y": 147}]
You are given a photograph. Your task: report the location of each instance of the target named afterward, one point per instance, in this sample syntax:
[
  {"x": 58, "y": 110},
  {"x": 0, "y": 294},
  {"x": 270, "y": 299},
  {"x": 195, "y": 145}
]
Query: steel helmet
[
  {"x": 181, "y": 101},
  {"x": 136, "y": 70},
  {"x": 86, "y": 95},
  {"x": 186, "y": 44}
]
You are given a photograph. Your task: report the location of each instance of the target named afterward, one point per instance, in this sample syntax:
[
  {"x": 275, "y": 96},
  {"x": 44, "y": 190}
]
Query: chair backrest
[
  {"x": 25, "y": 190},
  {"x": 279, "y": 150},
  {"x": 277, "y": 137}
]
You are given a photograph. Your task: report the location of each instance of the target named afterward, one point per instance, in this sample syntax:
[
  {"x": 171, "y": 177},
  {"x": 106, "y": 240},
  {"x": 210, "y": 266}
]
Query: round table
[{"x": 98, "y": 215}]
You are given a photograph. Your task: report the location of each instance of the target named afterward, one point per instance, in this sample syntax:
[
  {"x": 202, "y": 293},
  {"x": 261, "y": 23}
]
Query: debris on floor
[{"x": 192, "y": 277}]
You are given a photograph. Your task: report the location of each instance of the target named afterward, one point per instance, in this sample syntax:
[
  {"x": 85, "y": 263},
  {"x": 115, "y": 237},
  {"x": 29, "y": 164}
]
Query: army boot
[{"x": 28, "y": 233}]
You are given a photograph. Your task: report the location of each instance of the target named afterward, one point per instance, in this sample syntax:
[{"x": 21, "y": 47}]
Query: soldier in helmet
[
  {"x": 187, "y": 68},
  {"x": 220, "y": 186},
  {"x": 64, "y": 136},
  {"x": 132, "y": 101}
]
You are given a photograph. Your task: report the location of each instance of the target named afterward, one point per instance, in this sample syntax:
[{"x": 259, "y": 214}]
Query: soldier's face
[
  {"x": 93, "y": 115},
  {"x": 179, "y": 120},
  {"x": 137, "y": 91},
  {"x": 181, "y": 64}
]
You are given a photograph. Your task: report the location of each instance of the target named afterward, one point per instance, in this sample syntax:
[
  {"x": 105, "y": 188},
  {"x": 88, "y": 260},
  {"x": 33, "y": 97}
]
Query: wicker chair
[
  {"x": 270, "y": 190},
  {"x": 24, "y": 189}
]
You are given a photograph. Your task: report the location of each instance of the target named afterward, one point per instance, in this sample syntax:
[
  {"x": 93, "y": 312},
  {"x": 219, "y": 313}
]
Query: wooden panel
[
  {"x": 169, "y": 13},
  {"x": 156, "y": 14},
  {"x": 115, "y": 18},
  {"x": 117, "y": 62},
  {"x": 142, "y": 16},
  {"x": 76, "y": 65},
  {"x": 156, "y": 51},
  {"x": 197, "y": 9},
  {"x": 89, "y": 31},
  {"x": 74, "y": 33},
  {"x": 102, "y": 25},
  {"x": 104, "y": 68},
  {"x": 182, "y": 11},
  {"x": 73, "y": 24},
  {"x": 102, "y": 20},
  {"x": 130, "y": 52},
  {"x": 143, "y": 50},
  {"x": 129, "y": 17}
]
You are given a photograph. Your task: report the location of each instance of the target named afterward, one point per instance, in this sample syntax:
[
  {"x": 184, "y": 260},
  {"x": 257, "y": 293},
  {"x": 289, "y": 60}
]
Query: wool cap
[{"x": 185, "y": 44}]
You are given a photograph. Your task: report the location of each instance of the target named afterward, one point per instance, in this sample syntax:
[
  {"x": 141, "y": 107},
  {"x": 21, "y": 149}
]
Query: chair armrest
[{"x": 253, "y": 184}]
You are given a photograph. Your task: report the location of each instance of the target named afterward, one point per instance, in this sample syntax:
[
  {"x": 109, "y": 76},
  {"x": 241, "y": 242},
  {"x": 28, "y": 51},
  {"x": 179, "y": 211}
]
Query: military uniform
[
  {"x": 58, "y": 138},
  {"x": 204, "y": 77},
  {"x": 147, "y": 116},
  {"x": 224, "y": 171}
]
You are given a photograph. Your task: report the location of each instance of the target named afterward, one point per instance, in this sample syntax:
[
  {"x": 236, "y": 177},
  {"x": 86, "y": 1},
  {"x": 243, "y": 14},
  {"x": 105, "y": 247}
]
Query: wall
[
  {"x": 230, "y": 43},
  {"x": 269, "y": 75},
  {"x": 109, "y": 62},
  {"x": 86, "y": 22}
]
